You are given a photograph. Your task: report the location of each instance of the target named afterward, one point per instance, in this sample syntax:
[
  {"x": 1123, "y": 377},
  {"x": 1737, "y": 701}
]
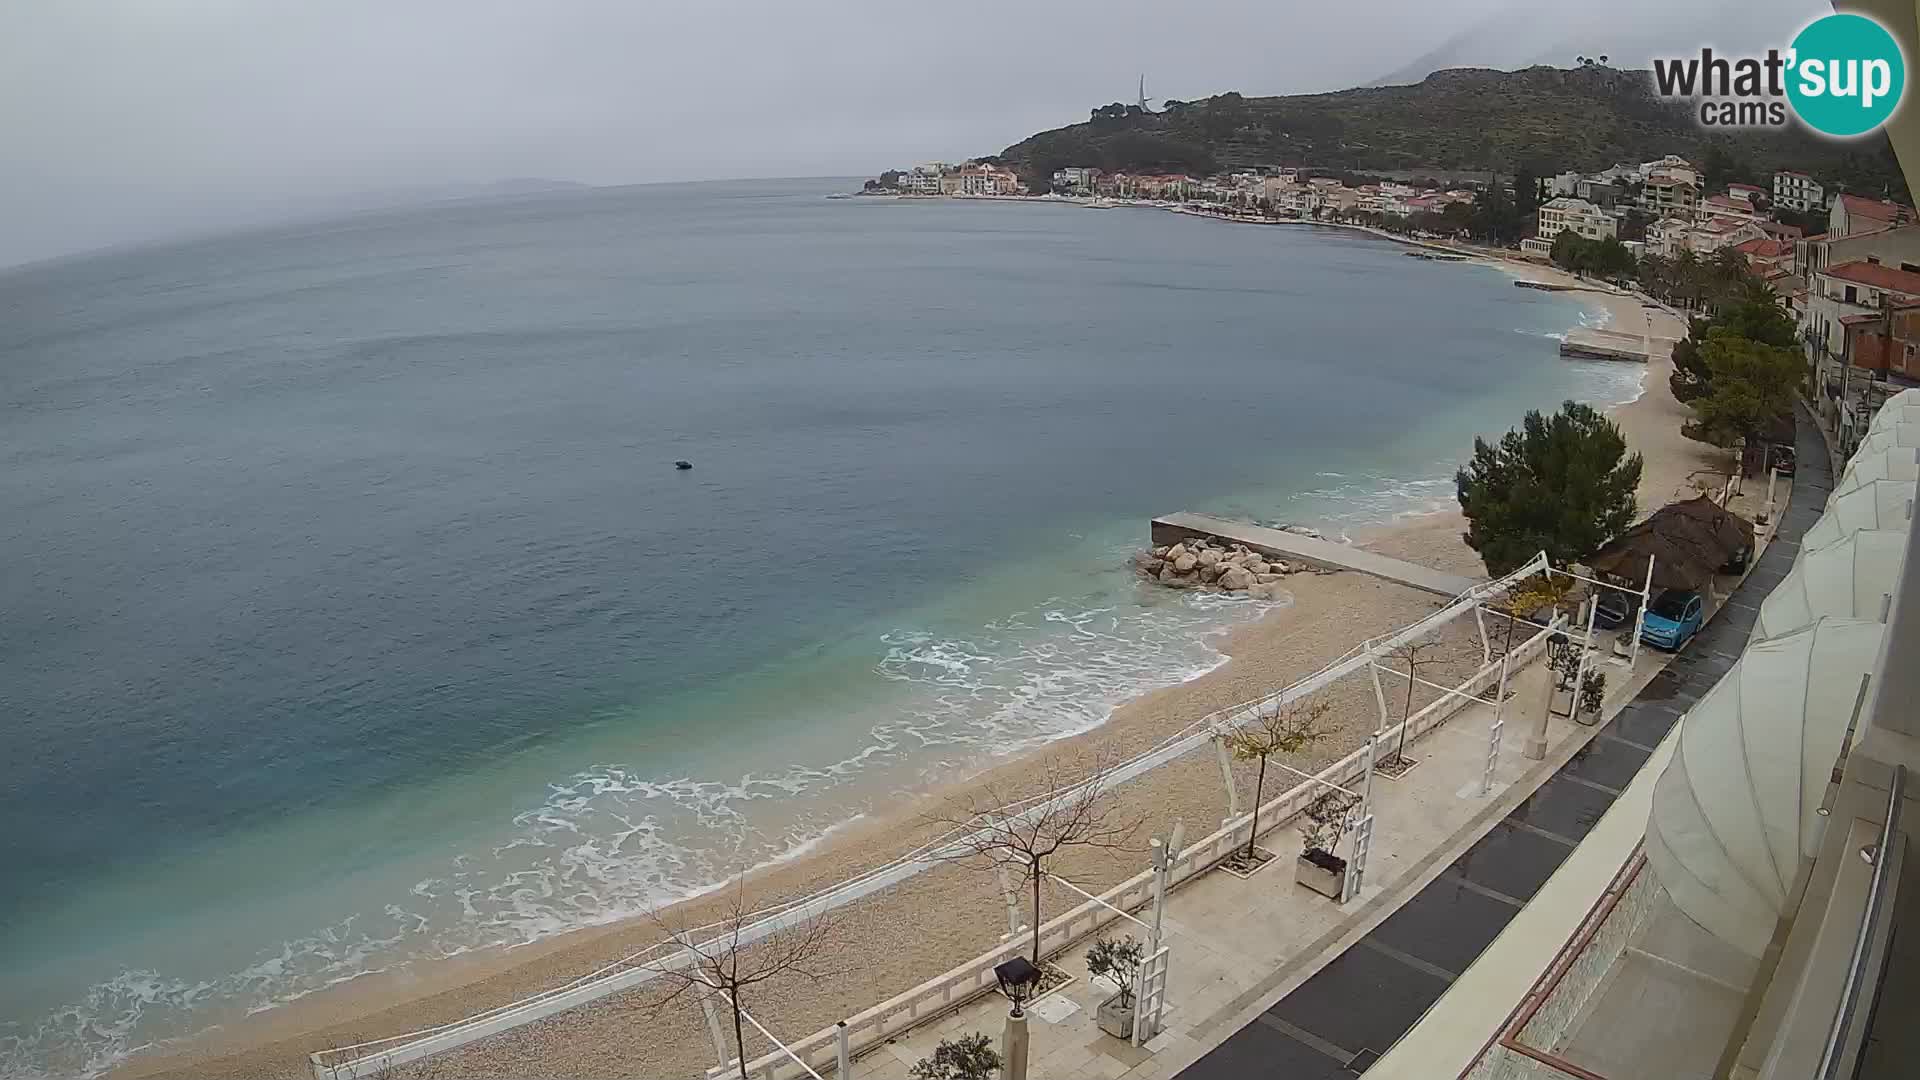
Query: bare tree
[
  {"x": 715, "y": 960},
  {"x": 1028, "y": 832},
  {"x": 1274, "y": 729},
  {"x": 1414, "y": 654}
]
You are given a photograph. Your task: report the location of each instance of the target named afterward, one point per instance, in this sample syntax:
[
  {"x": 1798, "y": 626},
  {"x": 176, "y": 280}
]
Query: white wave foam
[
  {"x": 1376, "y": 499},
  {"x": 612, "y": 842}
]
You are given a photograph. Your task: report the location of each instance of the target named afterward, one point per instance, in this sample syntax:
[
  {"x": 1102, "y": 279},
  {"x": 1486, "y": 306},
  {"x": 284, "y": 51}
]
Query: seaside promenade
[
  {"x": 1267, "y": 978},
  {"x": 1238, "y": 944}
]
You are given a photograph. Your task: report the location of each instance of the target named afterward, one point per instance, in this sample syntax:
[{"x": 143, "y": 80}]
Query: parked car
[
  {"x": 1737, "y": 562},
  {"x": 1782, "y": 459},
  {"x": 1616, "y": 609},
  {"x": 1673, "y": 618}
]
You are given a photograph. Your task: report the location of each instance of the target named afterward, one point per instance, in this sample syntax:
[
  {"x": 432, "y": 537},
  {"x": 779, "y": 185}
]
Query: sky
[{"x": 127, "y": 121}]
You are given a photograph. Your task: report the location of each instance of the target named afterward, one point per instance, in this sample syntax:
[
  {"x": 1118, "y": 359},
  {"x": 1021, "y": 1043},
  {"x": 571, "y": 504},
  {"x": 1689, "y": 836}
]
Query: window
[{"x": 1852, "y": 295}]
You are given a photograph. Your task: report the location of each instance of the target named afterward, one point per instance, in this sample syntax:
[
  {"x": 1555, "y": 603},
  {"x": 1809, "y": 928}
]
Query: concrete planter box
[
  {"x": 1322, "y": 872},
  {"x": 1116, "y": 1019}
]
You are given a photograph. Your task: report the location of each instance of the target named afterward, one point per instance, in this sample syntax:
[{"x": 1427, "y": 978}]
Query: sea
[{"x": 355, "y": 613}]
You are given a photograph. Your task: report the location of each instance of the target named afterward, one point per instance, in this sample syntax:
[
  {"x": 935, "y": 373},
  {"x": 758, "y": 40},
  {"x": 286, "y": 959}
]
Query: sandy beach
[{"x": 895, "y": 939}]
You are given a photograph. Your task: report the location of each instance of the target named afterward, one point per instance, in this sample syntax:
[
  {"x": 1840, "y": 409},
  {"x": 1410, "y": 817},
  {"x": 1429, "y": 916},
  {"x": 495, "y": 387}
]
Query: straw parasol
[
  {"x": 1688, "y": 547},
  {"x": 1731, "y": 531}
]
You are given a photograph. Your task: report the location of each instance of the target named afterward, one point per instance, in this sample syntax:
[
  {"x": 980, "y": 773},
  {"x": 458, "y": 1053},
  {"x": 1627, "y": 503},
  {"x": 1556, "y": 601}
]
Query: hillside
[{"x": 1540, "y": 118}]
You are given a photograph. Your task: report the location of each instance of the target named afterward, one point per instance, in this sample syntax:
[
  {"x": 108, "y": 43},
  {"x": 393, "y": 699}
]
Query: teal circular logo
[{"x": 1847, "y": 75}]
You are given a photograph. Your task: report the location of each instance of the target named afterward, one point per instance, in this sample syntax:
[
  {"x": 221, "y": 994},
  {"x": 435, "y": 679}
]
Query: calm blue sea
[{"x": 354, "y": 612}]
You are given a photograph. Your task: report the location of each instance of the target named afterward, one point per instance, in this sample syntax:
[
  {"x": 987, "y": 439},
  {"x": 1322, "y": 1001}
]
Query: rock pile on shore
[{"x": 1205, "y": 562}]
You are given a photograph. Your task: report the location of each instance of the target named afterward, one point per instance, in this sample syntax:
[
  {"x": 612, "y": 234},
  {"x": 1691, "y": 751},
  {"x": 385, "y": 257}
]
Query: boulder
[
  {"x": 1256, "y": 565},
  {"x": 1152, "y": 566},
  {"x": 1236, "y": 578},
  {"x": 1268, "y": 579},
  {"x": 1208, "y": 557},
  {"x": 1166, "y": 575},
  {"x": 1210, "y": 572},
  {"x": 1161, "y": 551},
  {"x": 1173, "y": 553},
  {"x": 1264, "y": 591},
  {"x": 1184, "y": 563}
]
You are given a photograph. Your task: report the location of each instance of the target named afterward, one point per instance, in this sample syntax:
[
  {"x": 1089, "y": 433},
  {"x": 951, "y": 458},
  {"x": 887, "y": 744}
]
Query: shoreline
[{"x": 1327, "y": 614}]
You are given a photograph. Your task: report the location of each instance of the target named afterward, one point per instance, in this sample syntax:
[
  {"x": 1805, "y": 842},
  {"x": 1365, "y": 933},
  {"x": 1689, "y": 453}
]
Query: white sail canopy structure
[
  {"x": 1735, "y": 811},
  {"x": 1880, "y": 504},
  {"x": 1849, "y": 578},
  {"x": 1889, "y": 437},
  {"x": 1899, "y": 409},
  {"x": 1895, "y": 463}
]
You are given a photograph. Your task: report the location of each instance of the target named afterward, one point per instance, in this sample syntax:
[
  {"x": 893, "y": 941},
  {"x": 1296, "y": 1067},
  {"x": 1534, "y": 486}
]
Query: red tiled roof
[
  {"x": 1743, "y": 187},
  {"x": 1795, "y": 172},
  {"x": 1856, "y": 320},
  {"x": 1764, "y": 248},
  {"x": 1877, "y": 209},
  {"x": 1880, "y": 277}
]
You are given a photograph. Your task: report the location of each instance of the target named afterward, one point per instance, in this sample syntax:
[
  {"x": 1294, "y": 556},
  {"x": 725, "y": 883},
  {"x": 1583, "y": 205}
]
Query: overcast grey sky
[{"x": 126, "y": 120}]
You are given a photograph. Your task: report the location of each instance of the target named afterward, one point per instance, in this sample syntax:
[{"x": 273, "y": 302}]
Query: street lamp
[{"x": 1018, "y": 978}]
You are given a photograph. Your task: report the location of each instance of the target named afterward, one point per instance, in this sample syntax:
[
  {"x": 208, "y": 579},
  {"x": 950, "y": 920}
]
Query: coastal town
[{"x": 1846, "y": 266}]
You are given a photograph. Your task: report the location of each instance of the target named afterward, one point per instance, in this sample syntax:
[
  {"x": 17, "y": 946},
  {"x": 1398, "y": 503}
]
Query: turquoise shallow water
[{"x": 360, "y": 615}]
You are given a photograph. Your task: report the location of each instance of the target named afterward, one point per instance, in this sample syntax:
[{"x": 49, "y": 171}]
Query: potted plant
[
  {"x": 1318, "y": 868},
  {"x": 1593, "y": 692},
  {"x": 1119, "y": 963},
  {"x": 969, "y": 1057}
]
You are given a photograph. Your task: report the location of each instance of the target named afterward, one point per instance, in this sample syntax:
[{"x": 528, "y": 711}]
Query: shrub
[
  {"x": 969, "y": 1057},
  {"x": 1119, "y": 961}
]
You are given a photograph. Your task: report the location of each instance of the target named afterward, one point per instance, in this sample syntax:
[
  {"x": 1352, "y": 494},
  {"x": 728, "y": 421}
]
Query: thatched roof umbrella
[
  {"x": 1731, "y": 531},
  {"x": 1685, "y": 553}
]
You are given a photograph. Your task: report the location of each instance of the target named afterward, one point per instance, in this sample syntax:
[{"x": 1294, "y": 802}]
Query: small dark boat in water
[{"x": 683, "y": 464}]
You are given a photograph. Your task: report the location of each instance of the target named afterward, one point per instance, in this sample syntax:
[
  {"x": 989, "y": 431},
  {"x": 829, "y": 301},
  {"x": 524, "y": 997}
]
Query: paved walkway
[
  {"x": 1340, "y": 1021},
  {"x": 1236, "y": 942},
  {"x": 1298, "y": 547}
]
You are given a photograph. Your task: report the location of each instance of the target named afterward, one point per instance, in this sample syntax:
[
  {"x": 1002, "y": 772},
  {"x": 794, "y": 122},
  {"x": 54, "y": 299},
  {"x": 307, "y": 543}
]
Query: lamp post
[
  {"x": 1557, "y": 648},
  {"x": 1018, "y": 978}
]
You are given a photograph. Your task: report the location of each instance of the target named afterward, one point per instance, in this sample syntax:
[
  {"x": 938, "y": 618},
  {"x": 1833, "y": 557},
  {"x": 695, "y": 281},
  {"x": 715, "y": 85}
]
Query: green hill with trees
[{"x": 1541, "y": 119}]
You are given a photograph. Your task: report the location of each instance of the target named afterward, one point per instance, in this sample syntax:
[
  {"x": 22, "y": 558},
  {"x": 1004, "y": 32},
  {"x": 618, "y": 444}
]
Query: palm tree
[{"x": 1687, "y": 284}]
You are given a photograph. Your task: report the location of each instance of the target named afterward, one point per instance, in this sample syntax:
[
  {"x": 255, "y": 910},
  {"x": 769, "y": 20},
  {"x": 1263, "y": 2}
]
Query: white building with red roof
[
  {"x": 1851, "y": 215},
  {"x": 1727, "y": 206}
]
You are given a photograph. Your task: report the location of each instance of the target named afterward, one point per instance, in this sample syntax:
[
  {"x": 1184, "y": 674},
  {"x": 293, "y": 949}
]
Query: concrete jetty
[
  {"x": 1297, "y": 547},
  {"x": 1593, "y": 343}
]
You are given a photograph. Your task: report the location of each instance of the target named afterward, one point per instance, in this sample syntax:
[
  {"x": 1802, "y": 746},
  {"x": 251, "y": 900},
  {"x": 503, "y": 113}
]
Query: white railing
[
  {"x": 939, "y": 996},
  {"x": 366, "y": 1058}
]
